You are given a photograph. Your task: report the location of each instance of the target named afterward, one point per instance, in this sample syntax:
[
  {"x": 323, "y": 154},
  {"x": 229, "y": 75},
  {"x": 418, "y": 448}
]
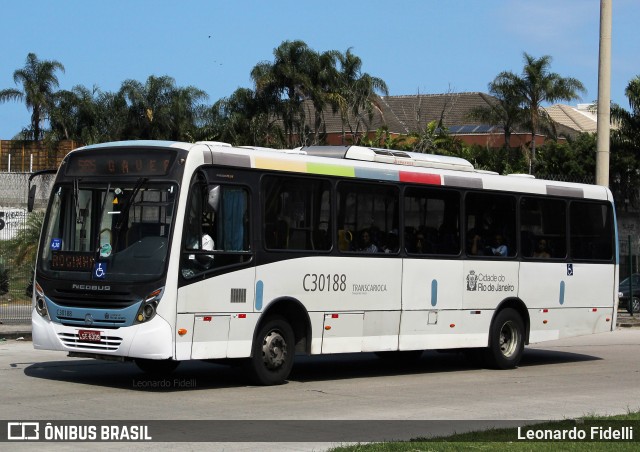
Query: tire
[
  {"x": 272, "y": 353},
  {"x": 635, "y": 305},
  {"x": 403, "y": 356},
  {"x": 506, "y": 340},
  {"x": 157, "y": 366}
]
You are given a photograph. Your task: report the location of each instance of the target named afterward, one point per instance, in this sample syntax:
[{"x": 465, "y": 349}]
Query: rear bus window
[{"x": 591, "y": 229}]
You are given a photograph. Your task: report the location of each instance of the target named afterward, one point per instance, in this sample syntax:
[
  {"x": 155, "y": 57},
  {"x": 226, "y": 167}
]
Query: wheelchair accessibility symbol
[{"x": 99, "y": 270}]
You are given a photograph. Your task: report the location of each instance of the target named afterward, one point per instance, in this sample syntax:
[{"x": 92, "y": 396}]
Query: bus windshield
[{"x": 111, "y": 231}]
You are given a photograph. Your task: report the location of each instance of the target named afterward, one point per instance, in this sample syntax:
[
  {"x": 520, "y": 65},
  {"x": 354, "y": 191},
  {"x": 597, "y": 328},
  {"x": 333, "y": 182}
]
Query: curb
[{"x": 15, "y": 335}]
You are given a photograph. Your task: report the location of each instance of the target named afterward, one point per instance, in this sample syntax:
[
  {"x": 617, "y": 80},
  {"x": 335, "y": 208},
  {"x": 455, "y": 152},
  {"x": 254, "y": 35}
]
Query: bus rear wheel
[
  {"x": 157, "y": 366},
  {"x": 273, "y": 352},
  {"x": 506, "y": 340}
]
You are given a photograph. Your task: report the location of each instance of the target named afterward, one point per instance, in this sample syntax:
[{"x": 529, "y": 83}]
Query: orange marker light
[
  {"x": 327, "y": 327},
  {"x": 453, "y": 325},
  {"x": 544, "y": 321},
  {"x": 182, "y": 331}
]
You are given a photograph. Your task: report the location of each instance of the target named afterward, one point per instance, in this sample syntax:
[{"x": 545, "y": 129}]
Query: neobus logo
[{"x": 90, "y": 287}]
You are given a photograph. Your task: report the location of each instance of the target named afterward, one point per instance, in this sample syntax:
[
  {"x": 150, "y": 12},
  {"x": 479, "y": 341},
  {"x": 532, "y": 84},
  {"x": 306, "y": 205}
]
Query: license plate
[{"x": 89, "y": 336}]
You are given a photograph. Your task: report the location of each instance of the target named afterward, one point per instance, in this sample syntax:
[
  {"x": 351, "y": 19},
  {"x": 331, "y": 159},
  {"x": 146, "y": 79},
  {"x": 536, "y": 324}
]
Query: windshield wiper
[
  {"x": 104, "y": 205},
  {"x": 129, "y": 202}
]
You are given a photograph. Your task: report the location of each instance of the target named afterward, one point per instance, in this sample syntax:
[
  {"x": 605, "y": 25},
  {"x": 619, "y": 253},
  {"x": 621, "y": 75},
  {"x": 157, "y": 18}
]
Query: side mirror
[
  {"x": 214, "y": 197},
  {"x": 32, "y": 198}
]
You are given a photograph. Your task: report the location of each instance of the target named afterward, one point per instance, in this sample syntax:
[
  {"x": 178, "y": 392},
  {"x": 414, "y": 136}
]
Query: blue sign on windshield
[
  {"x": 100, "y": 270},
  {"x": 56, "y": 244}
]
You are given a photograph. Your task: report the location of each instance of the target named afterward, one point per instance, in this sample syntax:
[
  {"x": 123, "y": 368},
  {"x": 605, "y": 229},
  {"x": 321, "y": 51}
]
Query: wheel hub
[
  {"x": 508, "y": 339},
  {"x": 274, "y": 350}
]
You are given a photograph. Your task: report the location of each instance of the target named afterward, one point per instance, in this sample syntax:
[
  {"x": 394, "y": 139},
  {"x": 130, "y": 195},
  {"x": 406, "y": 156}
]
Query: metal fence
[{"x": 17, "y": 245}]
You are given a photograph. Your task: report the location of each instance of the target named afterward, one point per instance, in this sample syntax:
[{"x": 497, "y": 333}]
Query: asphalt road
[{"x": 597, "y": 374}]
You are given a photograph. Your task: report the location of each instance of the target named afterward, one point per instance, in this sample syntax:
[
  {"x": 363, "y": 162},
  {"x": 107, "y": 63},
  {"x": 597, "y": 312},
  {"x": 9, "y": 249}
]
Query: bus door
[{"x": 217, "y": 279}]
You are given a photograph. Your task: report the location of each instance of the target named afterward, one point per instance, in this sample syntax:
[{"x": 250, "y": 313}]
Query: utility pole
[{"x": 604, "y": 95}]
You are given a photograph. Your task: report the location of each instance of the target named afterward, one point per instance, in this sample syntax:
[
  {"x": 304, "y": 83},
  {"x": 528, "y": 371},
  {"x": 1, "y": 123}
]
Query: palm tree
[
  {"x": 625, "y": 147},
  {"x": 323, "y": 92},
  {"x": 242, "y": 119},
  {"x": 149, "y": 107},
  {"x": 536, "y": 86},
  {"x": 286, "y": 83},
  {"x": 74, "y": 115},
  {"x": 628, "y": 122},
  {"x": 185, "y": 111},
  {"x": 38, "y": 80},
  {"x": 503, "y": 110},
  {"x": 112, "y": 113},
  {"x": 357, "y": 91}
]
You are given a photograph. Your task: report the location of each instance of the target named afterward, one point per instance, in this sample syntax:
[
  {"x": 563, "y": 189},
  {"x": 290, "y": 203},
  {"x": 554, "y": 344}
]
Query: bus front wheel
[
  {"x": 506, "y": 340},
  {"x": 273, "y": 352}
]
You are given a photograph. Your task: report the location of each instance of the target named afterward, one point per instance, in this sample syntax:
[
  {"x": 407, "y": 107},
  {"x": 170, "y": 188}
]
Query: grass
[{"x": 507, "y": 439}]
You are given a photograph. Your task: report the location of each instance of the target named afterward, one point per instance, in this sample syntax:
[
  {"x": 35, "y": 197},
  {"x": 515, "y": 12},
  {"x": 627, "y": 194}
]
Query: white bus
[{"x": 161, "y": 252}]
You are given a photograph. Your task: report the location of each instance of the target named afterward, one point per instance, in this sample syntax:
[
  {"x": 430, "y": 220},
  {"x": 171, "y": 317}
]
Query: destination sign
[
  {"x": 149, "y": 162},
  {"x": 72, "y": 261}
]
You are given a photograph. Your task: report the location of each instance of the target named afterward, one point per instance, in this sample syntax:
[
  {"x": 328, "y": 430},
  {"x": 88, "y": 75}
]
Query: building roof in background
[
  {"x": 578, "y": 119},
  {"x": 414, "y": 112},
  {"x": 411, "y": 113}
]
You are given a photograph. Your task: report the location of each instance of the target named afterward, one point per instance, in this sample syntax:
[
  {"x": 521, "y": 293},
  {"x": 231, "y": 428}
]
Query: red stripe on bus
[{"x": 420, "y": 178}]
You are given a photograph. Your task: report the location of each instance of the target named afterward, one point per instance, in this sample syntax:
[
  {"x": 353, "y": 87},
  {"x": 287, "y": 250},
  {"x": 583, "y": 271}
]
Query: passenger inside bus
[
  {"x": 542, "y": 251},
  {"x": 498, "y": 247},
  {"x": 366, "y": 245}
]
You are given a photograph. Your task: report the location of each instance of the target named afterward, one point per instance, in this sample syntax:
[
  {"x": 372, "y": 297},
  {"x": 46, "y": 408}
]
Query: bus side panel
[
  {"x": 331, "y": 286},
  {"x": 380, "y": 331},
  {"x": 590, "y": 285},
  {"x": 428, "y": 330},
  {"x": 231, "y": 292},
  {"x": 432, "y": 294},
  {"x": 567, "y": 300},
  {"x": 542, "y": 284},
  {"x": 431, "y": 284},
  {"x": 567, "y": 322},
  {"x": 334, "y": 284},
  {"x": 487, "y": 283}
]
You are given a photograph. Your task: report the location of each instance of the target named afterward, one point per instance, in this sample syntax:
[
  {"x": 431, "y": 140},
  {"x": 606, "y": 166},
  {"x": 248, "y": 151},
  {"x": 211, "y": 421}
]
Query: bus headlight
[
  {"x": 148, "y": 307},
  {"x": 41, "y": 304}
]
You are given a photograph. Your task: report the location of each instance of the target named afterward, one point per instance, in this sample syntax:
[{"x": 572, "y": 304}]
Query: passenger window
[
  {"x": 543, "y": 226},
  {"x": 368, "y": 218},
  {"x": 432, "y": 221},
  {"x": 490, "y": 222},
  {"x": 296, "y": 213},
  {"x": 591, "y": 227},
  {"x": 216, "y": 228}
]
